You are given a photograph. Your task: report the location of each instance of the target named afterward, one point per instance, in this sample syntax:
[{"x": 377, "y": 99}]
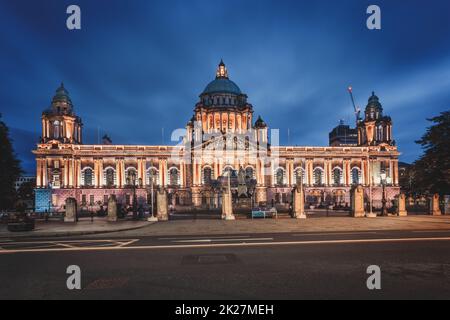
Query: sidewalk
[
  {"x": 195, "y": 227},
  {"x": 83, "y": 227},
  {"x": 191, "y": 227}
]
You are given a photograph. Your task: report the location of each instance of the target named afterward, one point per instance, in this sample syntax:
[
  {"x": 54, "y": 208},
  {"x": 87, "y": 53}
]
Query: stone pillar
[
  {"x": 45, "y": 174},
  {"x": 112, "y": 208},
  {"x": 227, "y": 205},
  {"x": 71, "y": 210},
  {"x": 38, "y": 173},
  {"x": 434, "y": 206},
  {"x": 401, "y": 205},
  {"x": 196, "y": 197},
  {"x": 162, "y": 208},
  {"x": 261, "y": 195},
  {"x": 358, "y": 202},
  {"x": 299, "y": 203}
]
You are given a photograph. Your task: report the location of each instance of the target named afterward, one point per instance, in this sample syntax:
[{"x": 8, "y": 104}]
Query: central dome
[{"x": 222, "y": 84}]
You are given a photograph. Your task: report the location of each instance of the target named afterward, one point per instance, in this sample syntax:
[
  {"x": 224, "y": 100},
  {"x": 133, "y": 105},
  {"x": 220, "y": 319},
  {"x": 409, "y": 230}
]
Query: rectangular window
[
  {"x": 105, "y": 199},
  {"x": 91, "y": 200},
  {"x": 83, "y": 200},
  {"x": 128, "y": 199}
]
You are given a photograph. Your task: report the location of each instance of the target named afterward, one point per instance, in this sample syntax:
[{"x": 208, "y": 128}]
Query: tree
[
  {"x": 9, "y": 169},
  {"x": 432, "y": 171}
]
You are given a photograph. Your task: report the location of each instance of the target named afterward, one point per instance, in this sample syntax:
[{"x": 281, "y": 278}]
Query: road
[{"x": 327, "y": 265}]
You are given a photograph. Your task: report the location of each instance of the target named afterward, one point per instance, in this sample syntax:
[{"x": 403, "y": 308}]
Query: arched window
[
  {"x": 207, "y": 176},
  {"x": 279, "y": 177},
  {"x": 356, "y": 176},
  {"x": 337, "y": 176},
  {"x": 300, "y": 176},
  {"x": 174, "y": 177},
  {"x": 318, "y": 176},
  {"x": 228, "y": 170},
  {"x": 152, "y": 176},
  {"x": 249, "y": 173},
  {"x": 56, "y": 129},
  {"x": 131, "y": 176},
  {"x": 110, "y": 177},
  {"x": 87, "y": 177}
]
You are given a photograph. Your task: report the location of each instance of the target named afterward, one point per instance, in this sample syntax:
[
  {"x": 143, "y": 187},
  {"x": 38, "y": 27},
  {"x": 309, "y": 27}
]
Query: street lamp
[
  {"x": 152, "y": 218},
  {"x": 132, "y": 179},
  {"x": 384, "y": 212}
]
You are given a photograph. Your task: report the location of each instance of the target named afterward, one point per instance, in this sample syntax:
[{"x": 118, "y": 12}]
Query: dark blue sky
[{"x": 139, "y": 66}]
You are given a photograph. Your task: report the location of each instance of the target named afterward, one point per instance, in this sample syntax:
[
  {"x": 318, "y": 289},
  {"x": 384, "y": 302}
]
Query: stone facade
[{"x": 222, "y": 137}]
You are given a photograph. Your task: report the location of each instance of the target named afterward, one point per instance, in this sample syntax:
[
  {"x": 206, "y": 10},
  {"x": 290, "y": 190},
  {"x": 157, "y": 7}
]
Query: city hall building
[{"x": 223, "y": 144}]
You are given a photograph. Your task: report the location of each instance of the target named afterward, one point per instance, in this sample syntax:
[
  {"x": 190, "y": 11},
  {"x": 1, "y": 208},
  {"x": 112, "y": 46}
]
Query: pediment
[{"x": 230, "y": 142}]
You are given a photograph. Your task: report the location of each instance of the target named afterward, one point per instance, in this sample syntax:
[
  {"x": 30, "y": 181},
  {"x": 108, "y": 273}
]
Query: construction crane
[{"x": 357, "y": 109}]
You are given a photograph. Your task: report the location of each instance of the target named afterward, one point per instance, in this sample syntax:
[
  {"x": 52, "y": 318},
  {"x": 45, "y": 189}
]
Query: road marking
[
  {"x": 62, "y": 244},
  {"x": 223, "y": 245},
  {"x": 73, "y": 241},
  {"x": 124, "y": 244},
  {"x": 332, "y": 233},
  {"x": 224, "y": 240},
  {"x": 194, "y": 238},
  {"x": 431, "y": 231}
]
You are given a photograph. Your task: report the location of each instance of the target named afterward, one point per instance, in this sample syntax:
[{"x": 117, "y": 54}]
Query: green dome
[{"x": 222, "y": 85}]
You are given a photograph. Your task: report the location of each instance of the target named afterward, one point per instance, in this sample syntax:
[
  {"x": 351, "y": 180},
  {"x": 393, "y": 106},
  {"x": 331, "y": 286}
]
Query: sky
[{"x": 136, "y": 68}]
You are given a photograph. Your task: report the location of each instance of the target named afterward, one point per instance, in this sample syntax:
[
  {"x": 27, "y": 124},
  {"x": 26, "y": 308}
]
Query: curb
[{"x": 12, "y": 235}]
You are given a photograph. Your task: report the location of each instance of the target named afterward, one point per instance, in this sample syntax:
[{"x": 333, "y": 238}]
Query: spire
[{"x": 222, "y": 72}]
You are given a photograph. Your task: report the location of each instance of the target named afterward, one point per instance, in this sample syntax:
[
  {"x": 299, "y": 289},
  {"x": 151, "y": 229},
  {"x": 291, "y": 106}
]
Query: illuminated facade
[{"x": 223, "y": 137}]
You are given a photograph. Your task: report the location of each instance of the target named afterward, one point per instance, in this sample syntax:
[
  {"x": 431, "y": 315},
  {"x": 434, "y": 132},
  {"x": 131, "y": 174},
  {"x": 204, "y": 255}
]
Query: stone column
[
  {"x": 434, "y": 206},
  {"x": 112, "y": 208},
  {"x": 123, "y": 177},
  {"x": 396, "y": 173},
  {"x": 38, "y": 173},
  {"x": 44, "y": 174},
  {"x": 299, "y": 203},
  {"x": 162, "y": 208},
  {"x": 71, "y": 172},
  {"x": 358, "y": 202},
  {"x": 401, "y": 205},
  {"x": 71, "y": 210}
]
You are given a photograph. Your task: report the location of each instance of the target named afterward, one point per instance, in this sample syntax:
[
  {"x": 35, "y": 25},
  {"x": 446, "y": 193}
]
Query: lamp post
[
  {"x": 132, "y": 179},
  {"x": 152, "y": 218},
  {"x": 384, "y": 212}
]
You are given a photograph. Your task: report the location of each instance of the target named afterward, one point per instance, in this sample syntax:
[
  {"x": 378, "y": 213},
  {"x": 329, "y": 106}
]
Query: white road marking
[
  {"x": 128, "y": 243},
  {"x": 431, "y": 231},
  {"x": 74, "y": 241},
  {"x": 332, "y": 233},
  {"x": 224, "y": 245},
  {"x": 193, "y": 238},
  {"x": 62, "y": 244},
  {"x": 224, "y": 240}
]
